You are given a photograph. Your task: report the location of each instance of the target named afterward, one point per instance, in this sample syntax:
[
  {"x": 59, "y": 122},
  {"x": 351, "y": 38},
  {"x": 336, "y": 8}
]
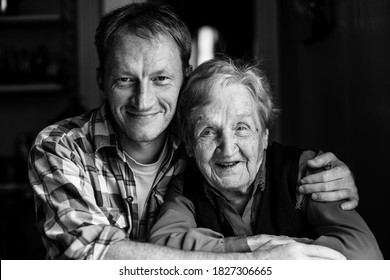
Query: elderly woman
[{"x": 239, "y": 191}]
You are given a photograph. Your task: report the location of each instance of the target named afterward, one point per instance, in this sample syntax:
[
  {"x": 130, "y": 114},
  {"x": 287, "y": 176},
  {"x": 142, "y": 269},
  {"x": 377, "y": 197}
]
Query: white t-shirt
[{"x": 144, "y": 176}]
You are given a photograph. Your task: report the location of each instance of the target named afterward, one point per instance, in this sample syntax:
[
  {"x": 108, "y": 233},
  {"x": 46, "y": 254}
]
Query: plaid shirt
[{"x": 85, "y": 191}]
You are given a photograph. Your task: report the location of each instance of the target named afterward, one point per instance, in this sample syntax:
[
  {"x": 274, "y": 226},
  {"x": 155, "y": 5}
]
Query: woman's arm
[
  {"x": 176, "y": 227},
  {"x": 344, "y": 231}
]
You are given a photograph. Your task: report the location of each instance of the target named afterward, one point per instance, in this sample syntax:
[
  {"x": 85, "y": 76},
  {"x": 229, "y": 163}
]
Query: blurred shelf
[
  {"x": 44, "y": 87},
  {"x": 37, "y": 18},
  {"x": 18, "y": 189}
]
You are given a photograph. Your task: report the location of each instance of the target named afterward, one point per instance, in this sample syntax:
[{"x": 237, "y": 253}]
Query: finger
[
  {"x": 264, "y": 238},
  {"x": 349, "y": 204},
  {"x": 335, "y": 173},
  {"x": 322, "y": 187},
  {"x": 303, "y": 240},
  {"x": 318, "y": 251},
  {"x": 279, "y": 241},
  {"x": 322, "y": 160},
  {"x": 331, "y": 195}
]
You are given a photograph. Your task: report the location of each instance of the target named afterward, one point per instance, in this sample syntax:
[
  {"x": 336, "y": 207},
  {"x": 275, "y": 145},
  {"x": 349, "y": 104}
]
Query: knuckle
[
  {"x": 345, "y": 171},
  {"x": 340, "y": 195},
  {"x": 327, "y": 187},
  {"x": 331, "y": 155},
  {"x": 318, "y": 196},
  {"x": 322, "y": 176}
]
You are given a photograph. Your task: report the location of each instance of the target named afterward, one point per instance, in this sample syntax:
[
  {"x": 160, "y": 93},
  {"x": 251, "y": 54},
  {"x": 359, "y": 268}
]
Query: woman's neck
[{"x": 238, "y": 199}]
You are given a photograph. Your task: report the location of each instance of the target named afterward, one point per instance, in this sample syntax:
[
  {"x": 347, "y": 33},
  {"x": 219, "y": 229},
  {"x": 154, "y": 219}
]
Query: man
[{"x": 100, "y": 178}]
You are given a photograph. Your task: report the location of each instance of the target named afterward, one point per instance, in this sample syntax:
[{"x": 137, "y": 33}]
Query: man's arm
[
  {"x": 334, "y": 182},
  {"x": 70, "y": 221},
  {"x": 287, "y": 250}
]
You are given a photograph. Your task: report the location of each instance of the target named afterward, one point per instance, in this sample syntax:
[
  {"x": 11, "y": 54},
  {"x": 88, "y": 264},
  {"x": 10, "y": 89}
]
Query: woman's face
[{"x": 229, "y": 139}]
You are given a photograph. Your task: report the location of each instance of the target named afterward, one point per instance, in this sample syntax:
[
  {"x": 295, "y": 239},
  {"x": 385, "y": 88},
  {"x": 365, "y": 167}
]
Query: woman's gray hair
[{"x": 222, "y": 72}]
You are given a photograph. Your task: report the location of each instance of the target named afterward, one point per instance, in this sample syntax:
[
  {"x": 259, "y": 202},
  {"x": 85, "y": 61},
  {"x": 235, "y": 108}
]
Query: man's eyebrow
[{"x": 162, "y": 72}]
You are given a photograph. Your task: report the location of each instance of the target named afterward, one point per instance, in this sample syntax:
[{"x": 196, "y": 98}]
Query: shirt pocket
[{"x": 116, "y": 217}]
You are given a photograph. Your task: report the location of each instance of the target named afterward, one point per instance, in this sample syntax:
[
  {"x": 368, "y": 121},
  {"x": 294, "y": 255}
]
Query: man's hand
[
  {"x": 286, "y": 248},
  {"x": 334, "y": 182}
]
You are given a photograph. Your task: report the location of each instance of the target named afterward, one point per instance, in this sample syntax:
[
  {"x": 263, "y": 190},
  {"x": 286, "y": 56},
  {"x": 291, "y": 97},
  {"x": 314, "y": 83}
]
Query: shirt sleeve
[
  {"x": 176, "y": 227},
  {"x": 343, "y": 231},
  {"x": 71, "y": 223}
]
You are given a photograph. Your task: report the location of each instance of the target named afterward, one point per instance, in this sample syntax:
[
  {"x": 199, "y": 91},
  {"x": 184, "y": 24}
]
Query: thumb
[{"x": 322, "y": 160}]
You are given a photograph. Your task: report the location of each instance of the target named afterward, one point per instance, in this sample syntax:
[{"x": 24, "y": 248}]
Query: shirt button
[{"x": 129, "y": 199}]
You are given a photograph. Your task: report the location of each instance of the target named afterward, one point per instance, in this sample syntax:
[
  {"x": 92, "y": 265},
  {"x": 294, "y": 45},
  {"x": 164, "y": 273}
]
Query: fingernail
[
  {"x": 301, "y": 189},
  {"x": 314, "y": 196}
]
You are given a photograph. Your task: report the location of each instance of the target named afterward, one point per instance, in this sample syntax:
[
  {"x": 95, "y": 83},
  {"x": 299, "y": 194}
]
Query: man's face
[{"x": 141, "y": 81}]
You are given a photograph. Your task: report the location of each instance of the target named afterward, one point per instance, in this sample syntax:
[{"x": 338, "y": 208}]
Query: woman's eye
[
  {"x": 207, "y": 133},
  {"x": 242, "y": 129}
]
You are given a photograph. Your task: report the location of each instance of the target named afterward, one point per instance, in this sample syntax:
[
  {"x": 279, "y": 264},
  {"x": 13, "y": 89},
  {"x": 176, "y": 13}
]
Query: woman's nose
[{"x": 227, "y": 144}]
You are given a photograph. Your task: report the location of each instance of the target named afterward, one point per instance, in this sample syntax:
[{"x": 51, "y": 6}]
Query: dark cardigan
[{"x": 273, "y": 209}]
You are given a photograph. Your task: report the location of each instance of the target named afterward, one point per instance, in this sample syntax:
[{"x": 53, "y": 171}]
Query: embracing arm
[
  {"x": 271, "y": 250},
  {"x": 130, "y": 250},
  {"x": 70, "y": 222}
]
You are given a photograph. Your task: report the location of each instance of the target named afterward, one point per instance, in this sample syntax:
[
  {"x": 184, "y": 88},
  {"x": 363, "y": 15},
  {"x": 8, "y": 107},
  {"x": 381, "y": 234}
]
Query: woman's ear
[
  {"x": 190, "y": 151},
  {"x": 265, "y": 139}
]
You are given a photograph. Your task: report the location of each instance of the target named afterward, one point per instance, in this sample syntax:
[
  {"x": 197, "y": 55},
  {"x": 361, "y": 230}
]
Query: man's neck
[{"x": 145, "y": 152}]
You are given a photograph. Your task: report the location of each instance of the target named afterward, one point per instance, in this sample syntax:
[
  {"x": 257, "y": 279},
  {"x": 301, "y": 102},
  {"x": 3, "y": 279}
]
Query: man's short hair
[{"x": 145, "y": 20}]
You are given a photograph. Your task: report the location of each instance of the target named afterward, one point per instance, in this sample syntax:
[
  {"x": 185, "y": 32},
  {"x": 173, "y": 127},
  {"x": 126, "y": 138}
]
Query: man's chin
[{"x": 144, "y": 135}]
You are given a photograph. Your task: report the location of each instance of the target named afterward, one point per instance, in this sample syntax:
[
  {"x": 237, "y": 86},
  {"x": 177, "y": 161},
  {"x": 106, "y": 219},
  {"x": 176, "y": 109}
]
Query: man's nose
[
  {"x": 142, "y": 97},
  {"x": 227, "y": 144}
]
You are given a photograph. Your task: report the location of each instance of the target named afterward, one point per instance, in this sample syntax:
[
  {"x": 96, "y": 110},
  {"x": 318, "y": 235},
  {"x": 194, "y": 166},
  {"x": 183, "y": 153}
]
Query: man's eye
[
  {"x": 124, "y": 80},
  {"x": 161, "y": 79}
]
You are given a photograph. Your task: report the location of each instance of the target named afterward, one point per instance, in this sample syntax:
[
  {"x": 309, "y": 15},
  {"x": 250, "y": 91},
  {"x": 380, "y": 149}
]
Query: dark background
[{"x": 328, "y": 62}]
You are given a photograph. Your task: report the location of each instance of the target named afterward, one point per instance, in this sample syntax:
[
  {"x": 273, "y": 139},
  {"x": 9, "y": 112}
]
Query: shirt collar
[{"x": 102, "y": 130}]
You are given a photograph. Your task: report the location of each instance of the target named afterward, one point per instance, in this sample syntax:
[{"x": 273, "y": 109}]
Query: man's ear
[
  {"x": 99, "y": 79},
  {"x": 265, "y": 139},
  {"x": 188, "y": 71}
]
